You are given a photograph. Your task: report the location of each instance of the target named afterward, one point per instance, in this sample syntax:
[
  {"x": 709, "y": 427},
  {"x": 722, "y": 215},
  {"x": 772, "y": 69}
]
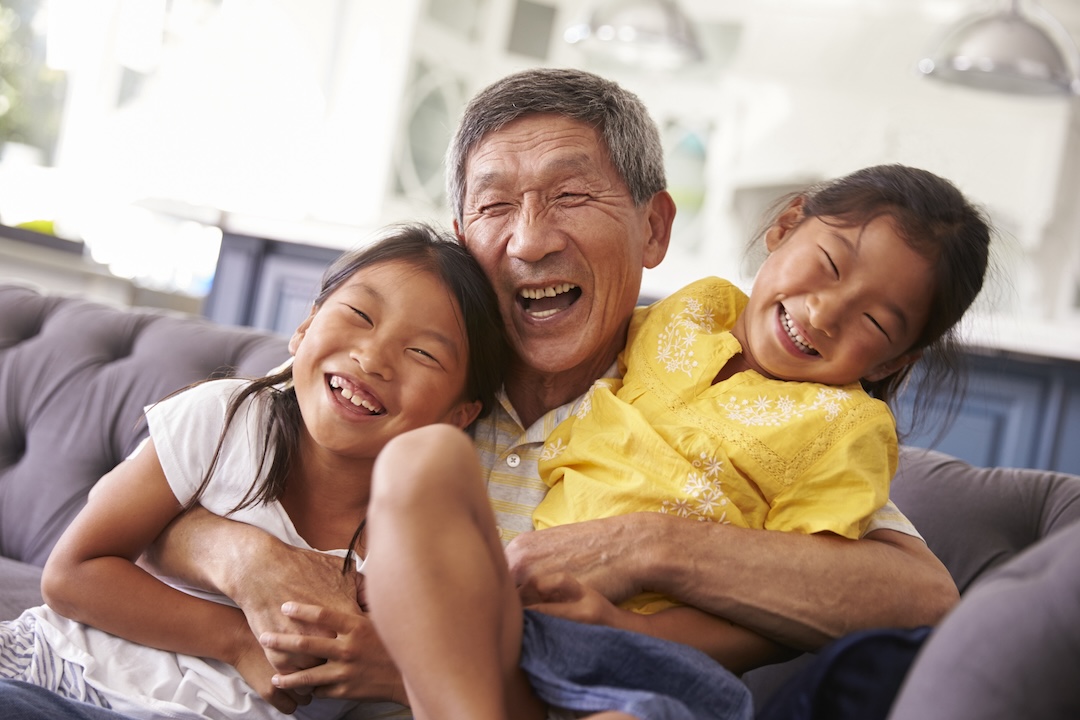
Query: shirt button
[{"x": 513, "y": 460}]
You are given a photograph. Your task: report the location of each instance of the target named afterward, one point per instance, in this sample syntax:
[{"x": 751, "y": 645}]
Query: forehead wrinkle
[{"x": 561, "y": 165}]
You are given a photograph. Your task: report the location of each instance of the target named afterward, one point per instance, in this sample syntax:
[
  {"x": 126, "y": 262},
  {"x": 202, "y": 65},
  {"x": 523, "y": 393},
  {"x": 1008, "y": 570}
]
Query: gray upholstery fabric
[
  {"x": 974, "y": 519},
  {"x": 1011, "y": 649},
  {"x": 20, "y": 587},
  {"x": 74, "y": 378}
]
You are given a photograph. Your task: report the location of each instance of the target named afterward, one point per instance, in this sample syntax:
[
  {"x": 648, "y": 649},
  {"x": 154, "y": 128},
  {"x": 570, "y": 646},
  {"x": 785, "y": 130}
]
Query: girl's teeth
[
  {"x": 802, "y": 343},
  {"x": 357, "y": 400}
]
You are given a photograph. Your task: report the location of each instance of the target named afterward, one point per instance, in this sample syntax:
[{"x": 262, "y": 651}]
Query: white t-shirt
[{"x": 145, "y": 682}]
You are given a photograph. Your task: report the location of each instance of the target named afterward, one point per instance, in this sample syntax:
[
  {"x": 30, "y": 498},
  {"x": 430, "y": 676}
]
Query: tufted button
[{"x": 513, "y": 460}]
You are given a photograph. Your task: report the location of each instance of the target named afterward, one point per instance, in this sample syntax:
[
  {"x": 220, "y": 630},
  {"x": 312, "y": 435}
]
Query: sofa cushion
[
  {"x": 976, "y": 519},
  {"x": 20, "y": 587},
  {"x": 1011, "y": 649},
  {"x": 75, "y": 376}
]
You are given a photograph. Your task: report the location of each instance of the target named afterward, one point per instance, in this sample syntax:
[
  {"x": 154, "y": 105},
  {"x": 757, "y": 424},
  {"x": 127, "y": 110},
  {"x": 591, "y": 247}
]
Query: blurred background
[{"x": 147, "y": 133}]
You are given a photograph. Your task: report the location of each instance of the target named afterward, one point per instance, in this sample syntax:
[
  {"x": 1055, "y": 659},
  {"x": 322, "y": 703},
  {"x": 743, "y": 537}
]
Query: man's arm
[
  {"x": 260, "y": 573},
  {"x": 799, "y": 590}
]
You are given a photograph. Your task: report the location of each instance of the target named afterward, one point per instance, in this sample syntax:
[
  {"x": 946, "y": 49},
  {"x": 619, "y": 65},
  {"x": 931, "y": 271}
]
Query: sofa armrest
[{"x": 976, "y": 519}]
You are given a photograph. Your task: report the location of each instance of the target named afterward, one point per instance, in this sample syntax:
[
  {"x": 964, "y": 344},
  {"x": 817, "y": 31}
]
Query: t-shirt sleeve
[{"x": 185, "y": 429}]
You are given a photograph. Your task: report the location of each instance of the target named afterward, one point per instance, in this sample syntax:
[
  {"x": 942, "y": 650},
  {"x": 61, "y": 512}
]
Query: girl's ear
[
  {"x": 886, "y": 369},
  {"x": 465, "y": 412},
  {"x": 298, "y": 335},
  {"x": 787, "y": 221}
]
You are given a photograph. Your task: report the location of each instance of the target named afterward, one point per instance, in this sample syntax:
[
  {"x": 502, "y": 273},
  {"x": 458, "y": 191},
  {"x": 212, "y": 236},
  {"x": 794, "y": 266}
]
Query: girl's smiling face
[
  {"x": 385, "y": 353},
  {"x": 835, "y": 304}
]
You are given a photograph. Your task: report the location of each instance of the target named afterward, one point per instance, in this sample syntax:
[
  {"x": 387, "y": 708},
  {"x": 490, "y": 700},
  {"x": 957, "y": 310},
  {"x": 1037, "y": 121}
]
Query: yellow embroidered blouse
[{"x": 749, "y": 450}]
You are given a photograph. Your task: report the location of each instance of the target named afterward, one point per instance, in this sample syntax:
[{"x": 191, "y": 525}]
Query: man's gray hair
[{"x": 631, "y": 135}]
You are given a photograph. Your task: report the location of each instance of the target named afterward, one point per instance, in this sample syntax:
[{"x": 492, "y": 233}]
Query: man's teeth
[
  {"x": 550, "y": 291},
  {"x": 355, "y": 399},
  {"x": 800, "y": 342}
]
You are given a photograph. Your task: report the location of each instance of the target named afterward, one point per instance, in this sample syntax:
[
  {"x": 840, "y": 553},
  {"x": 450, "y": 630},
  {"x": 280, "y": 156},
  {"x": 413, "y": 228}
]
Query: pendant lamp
[
  {"x": 1009, "y": 52},
  {"x": 646, "y": 34}
]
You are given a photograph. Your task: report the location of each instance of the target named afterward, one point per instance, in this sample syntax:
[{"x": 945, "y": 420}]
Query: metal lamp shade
[{"x": 1003, "y": 52}]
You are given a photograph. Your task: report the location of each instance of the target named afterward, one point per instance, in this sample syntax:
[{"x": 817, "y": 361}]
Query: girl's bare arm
[{"x": 92, "y": 577}]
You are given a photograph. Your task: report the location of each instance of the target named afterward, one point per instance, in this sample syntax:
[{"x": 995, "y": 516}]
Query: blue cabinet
[
  {"x": 267, "y": 284},
  {"x": 1018, "y": 411}
]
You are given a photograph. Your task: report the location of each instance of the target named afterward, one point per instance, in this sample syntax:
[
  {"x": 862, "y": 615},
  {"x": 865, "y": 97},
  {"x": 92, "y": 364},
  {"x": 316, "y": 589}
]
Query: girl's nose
[
  {"x": 373, "y": 361},
  {"x": 823, "y": 312}
]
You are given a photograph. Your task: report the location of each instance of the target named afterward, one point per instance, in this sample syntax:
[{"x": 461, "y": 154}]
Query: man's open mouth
[{"x": 547, "y": 301}]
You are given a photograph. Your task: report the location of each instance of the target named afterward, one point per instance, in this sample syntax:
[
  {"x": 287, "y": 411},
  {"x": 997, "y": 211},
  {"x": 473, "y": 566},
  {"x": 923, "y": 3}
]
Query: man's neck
[{"x": 533, "y": 394}]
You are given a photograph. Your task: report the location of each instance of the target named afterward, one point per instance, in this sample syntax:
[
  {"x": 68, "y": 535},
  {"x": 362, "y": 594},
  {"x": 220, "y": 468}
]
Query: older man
[{"x": 557, "y": 185}]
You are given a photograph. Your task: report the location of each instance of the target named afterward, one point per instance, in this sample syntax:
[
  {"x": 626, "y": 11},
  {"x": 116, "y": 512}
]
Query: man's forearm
[
  {"x": 801, "y": 590},
  {"x": 207, "y": 551}
]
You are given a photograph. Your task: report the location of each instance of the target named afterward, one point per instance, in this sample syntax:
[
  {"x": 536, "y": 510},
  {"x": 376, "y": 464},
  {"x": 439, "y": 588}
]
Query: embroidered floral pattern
[
  {"x": 675, "y": 345},
  {"x": 777, "y": 411},
  {"x": 552, "y": 450},
  {"x": 705, "y": 498}
]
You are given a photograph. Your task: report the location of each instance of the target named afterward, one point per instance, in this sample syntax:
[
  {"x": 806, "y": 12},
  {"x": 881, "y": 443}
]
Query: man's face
[{"x": 554, "y": 227}]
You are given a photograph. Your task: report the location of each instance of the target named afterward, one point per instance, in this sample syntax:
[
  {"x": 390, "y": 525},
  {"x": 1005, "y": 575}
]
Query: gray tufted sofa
[
  {"x": 75, "y": 375},
  {"x": 74, "y": 378}
]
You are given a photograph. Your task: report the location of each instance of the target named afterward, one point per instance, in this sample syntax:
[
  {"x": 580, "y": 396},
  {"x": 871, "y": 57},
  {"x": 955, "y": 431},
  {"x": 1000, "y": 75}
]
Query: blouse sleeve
[{"x": 847, "y": 483}]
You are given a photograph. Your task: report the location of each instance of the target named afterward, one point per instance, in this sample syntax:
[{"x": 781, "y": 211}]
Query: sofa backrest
[
  {"x": 976, "y": 519},
  {"x": 75, "y": 376}
]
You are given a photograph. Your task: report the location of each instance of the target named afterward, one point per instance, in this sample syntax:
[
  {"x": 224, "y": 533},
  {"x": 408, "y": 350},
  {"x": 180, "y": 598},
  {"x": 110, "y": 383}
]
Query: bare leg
[{"x": 437, "y": 582}]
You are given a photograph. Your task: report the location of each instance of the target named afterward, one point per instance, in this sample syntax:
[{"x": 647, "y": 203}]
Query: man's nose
[{"x": 534, "y": 235}]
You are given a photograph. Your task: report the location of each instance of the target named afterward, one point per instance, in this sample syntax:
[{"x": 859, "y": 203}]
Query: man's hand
[
  {"x": 564, "y": 596},
  {"x": 256, "y": 570},
  {"x": 357, "y": 665},
  {"x": 602, "y": 554},
  {"x": 301, "y": 576}
]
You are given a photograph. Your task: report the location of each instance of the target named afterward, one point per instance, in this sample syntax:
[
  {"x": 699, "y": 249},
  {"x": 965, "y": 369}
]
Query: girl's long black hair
[
  {"x": 939, "y": 223},
  {"x": 426, "y": 249}
]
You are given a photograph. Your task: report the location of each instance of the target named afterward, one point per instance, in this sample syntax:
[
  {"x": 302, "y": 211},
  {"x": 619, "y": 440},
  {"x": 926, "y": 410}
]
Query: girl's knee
[{"x": 429, "y": 460}]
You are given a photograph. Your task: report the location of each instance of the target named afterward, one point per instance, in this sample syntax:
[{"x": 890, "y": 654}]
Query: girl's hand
[
  {"x": 304, "y": 575},
  {"x": 357, "y": 665},
  {"x": 563, "y": 595}
]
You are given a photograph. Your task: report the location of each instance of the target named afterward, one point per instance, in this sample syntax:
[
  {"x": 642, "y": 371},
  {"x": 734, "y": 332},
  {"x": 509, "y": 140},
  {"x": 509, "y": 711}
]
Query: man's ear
[
  {"x": 465, "y": 412},
  {"x": 661, "y": 214},
  {"x": 787, "y": 221},
  {"x": 298, "y": 334},
  {"x": 886, "y": 369}
]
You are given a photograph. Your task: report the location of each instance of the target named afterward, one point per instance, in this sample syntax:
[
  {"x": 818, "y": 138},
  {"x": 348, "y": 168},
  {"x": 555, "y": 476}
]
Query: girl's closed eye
[
  {"x": 832, "y": 264},
  {"x": 879, "y": 326},
  {"x": 426, "y": 356},
  {"x": 361, "y": 314}
]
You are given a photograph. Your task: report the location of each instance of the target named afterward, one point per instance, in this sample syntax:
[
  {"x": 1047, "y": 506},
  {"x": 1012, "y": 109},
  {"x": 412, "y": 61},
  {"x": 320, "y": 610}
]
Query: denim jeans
[{"x": 22, "y": 701}]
